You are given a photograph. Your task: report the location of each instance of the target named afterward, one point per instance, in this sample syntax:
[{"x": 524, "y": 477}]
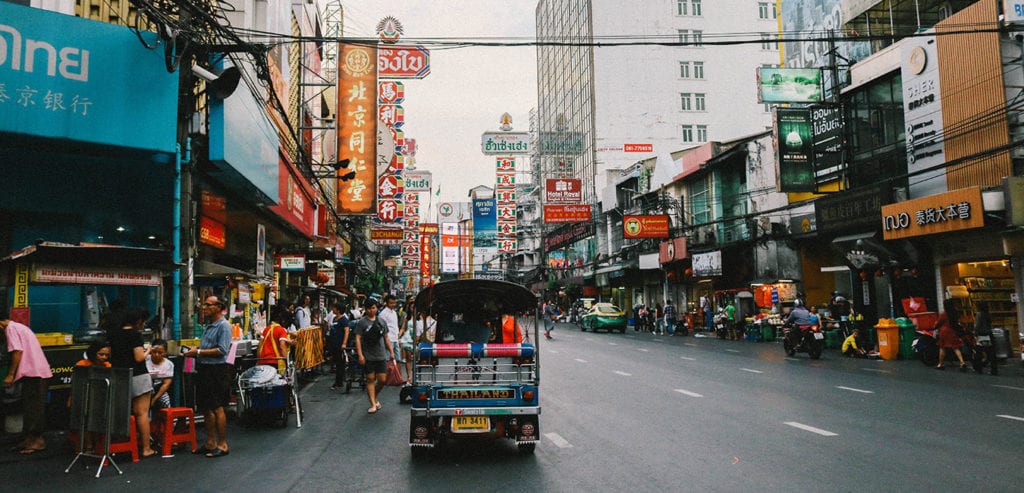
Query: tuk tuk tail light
[
  {"x": 528, "y": 395},
  {"x": 422, "y": 396}
]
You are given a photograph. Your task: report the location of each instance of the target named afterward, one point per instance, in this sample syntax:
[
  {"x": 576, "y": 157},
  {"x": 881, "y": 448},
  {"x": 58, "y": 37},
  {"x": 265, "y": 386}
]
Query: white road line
[
  {"x": 751, "y": 371},
  {"x": 851, "y": 389},
  {"x": 643, "y": 350},
  {"x": 689, "y": 344},
  {"x": 1008, "y": 387},
  {"x": 581, "y": 360},
  {"x": 558, "y": 440},
  {"x": 733, "y": 350},
  {"x": 617, "y": 372},
  {"x": 792, "y": 359},
  {"x": 688, "y": 359},
  {"x": 613, "y": 344},
  {"x": 876, "y": 370},
  {"x": 687, "y": 392},
  {"x": 811, "y": 429},
  {"x": 552, "y": 351},
  {"x": 1007, "y": 416}
]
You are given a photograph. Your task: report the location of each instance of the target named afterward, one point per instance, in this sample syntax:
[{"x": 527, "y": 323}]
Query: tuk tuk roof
[{"x": 476, "y": 296}]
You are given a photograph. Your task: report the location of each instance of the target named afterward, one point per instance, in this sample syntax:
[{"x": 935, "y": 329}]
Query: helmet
[
  {"x": 798, "y": 303},
  {"x": 835, "y": 293}
]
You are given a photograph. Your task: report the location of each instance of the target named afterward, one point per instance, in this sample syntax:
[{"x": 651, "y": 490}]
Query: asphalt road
[{"x": 633, "y": 412}]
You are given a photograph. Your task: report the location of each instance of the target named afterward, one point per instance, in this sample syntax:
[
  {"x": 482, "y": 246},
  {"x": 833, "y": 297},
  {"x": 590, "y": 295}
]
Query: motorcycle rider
[{"x": 799, "y": 316}]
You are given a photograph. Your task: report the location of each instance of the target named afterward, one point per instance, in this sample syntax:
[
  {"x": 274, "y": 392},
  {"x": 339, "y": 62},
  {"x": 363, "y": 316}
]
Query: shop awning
[
  {"x": 207, "y": 268},
  {"x": 94, "y": 255}
]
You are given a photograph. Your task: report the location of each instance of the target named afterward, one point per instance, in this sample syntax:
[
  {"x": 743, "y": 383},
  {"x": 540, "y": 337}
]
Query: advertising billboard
[
  {"x": 357, "y": 129},
  {"x": 793, "y": 141},
  {"x": 789, "y": 85},
  {"x": 485, "y": 225},
  {"x": 647, "y": 226}
]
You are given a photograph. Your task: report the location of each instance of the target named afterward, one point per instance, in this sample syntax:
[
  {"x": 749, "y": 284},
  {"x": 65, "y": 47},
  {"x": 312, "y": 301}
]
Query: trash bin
[
  {"x": 767, "y": 332},
  {"x": 888, "y": 340},
  {"x": 1001, "y": 340},
  {"x": 908, "y": 332},
  {"x": 833, "y": 339}
]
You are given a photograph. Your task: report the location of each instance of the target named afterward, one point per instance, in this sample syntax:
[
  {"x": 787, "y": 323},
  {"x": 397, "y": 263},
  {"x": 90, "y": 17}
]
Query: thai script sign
[
  {"x": 403, "y": 62},
  {"x": 417, "y": 181},
  {"x": 566, "y": 213},
  {"x": 505, "y": 143},
  {"x": 293, "y": 263},
  {"x": 561, "y": 143},
  {"x": 89, "y": 275},
  {"x": 654, "y": 226}
]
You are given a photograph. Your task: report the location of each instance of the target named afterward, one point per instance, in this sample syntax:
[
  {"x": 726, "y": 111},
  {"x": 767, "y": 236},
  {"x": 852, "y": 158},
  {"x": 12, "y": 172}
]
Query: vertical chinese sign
[
  {"x": 505, "y": 196},
  {"x": 357, "y": 130}
]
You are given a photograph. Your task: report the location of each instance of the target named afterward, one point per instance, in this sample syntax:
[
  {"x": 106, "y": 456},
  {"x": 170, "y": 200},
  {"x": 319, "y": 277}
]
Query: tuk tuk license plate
[
  {"x": 819, "y": 336},
  {"x": 470, "y": 424}
]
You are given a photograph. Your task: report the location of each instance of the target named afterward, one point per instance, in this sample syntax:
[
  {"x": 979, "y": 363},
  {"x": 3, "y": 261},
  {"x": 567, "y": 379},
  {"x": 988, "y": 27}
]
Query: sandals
[
  {"x": 217, "y": 452},
  {"x": 374, "y": 408}
]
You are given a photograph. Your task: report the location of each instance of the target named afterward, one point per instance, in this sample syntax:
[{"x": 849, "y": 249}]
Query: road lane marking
[
  {"x": 581, "y": 360},
  {"x": 1008, "y": 387},
  {"x": 617, "y": 372},
  {"x": 687, "y": 358},
  {"x": 558, "y": 440},
  {"x": 751, "y": 371},
  {"x": 733, "y": 350},
  {"x": 792, "y": 359},
  {"x": 613, "y": 344},
  {"x": 851, "y": 389},
  {"x": 642, "y": 349},
  {"x": 876, "y": 370},
  {"x": 811, "y": 429},
  {"x": 1007, "y": 416},
  {"x": 552, "y": 351},
  {"x": 689, "y": 344},
  {"x": 687, "y": 392}
]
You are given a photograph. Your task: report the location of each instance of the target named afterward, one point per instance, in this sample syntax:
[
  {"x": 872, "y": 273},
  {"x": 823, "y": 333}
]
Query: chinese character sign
[
  {"x": 505, "y": 195},
  {"x": 357, "y": 129}
]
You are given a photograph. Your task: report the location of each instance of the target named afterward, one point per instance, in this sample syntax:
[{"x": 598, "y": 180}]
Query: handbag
[{"x": 394, "y": 378}]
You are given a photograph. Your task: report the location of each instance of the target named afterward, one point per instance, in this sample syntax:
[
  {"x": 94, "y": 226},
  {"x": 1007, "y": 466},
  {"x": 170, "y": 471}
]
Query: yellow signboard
[{"x": 939, "y": 213}]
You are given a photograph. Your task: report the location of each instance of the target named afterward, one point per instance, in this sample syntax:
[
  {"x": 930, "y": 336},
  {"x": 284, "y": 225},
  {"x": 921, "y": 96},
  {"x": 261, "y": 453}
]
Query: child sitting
[
  {"x": 850, "y": 346},
  {"x": 161, "y": 370}
]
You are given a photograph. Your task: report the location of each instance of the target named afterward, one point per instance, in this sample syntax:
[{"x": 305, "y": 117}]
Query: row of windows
[
  {"x": 701, "y": 133},
  {"x": 691, "y": 70},
  {"x": 692, "y": 101},
  {"x": 688, "y": 7},
  {"x": 695, "y": 38},
  {"x": 765, "y": 10}
]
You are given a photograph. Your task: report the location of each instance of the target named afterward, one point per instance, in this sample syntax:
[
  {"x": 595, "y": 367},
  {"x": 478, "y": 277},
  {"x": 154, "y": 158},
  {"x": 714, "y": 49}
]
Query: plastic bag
[{"x": 394, "y": 376}]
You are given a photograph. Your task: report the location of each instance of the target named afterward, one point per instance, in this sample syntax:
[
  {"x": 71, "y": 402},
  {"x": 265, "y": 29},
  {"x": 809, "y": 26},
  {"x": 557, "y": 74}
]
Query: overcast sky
[{"x": 467, "y": 89}]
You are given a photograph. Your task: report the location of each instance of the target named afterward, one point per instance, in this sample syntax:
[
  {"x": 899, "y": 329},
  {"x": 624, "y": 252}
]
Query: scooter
[
  {"x": 803, "y": 338},
  {"x": 722, "y": 325}
]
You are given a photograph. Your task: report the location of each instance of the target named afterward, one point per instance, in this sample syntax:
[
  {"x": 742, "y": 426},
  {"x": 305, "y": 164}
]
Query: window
[
  {"x": 684, "y": 36},
  {"x": 768, "y": 42},
  {"x": 698, "y": 70},
  {"x": 695, "y": 7},
  {"x": 688, "y": 133},
  {"x": 684, "y": 70},
  {"x": 700, "y": 201},
  {"x": 766, "y": 10},
  {"x": 681, "y": 7},
  {"x": 685, "y": 102},
  {"x": 702, "y": 133},
  {"x": 698, "y": 37},
  {"x": 698, "y": 102}
]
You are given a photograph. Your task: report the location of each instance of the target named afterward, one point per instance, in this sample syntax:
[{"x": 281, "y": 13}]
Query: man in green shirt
[{"x": 730, "y": 314}]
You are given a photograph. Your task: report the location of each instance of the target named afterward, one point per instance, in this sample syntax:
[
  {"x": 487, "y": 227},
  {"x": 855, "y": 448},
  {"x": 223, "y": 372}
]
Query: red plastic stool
[
  {"x": 131, "y": 445},
  {"x": 169, "y": 438}
]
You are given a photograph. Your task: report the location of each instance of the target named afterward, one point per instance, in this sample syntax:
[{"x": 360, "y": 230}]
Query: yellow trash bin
[{"x": 888, "y": 339}]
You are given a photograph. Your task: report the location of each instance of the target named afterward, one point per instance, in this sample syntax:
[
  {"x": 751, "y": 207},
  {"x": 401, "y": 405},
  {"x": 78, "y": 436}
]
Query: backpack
[{"x": 374, "y": 332}]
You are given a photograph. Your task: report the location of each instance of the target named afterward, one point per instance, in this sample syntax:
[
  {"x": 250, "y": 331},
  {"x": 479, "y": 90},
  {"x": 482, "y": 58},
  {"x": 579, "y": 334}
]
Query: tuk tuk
[{"x": 480, "y": 375}]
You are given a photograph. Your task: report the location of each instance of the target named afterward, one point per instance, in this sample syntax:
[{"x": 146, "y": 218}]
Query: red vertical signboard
[{"x": 357, "y": 129}]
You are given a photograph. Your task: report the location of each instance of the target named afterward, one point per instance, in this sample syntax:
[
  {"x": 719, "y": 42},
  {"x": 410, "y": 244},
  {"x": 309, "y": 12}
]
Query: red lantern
[
  {"x": 896, "y": 273},
  {"x": 688, "y": 272},
  {"x": 879, "y": 273},
  {"x": 864, "y": 275},
  {"x": 914, "y": 272}
]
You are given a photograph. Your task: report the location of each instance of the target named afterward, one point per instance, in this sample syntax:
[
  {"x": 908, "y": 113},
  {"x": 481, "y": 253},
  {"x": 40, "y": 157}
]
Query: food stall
[{"x": 64, "y": 292}]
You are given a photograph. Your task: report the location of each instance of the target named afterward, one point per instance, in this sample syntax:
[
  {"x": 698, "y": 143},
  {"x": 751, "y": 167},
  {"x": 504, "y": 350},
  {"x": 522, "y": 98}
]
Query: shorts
[
  {"x": 141, "y": 384},
  {"x": 375, "y": 367},
  {"x": 398, "y": 352},
  {"x": 213, "y": 386},
  {"x": 406, "y": 346}
]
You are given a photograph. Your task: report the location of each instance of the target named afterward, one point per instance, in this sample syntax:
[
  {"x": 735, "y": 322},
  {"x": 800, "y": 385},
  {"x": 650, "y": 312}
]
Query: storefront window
[{"x": 876, "y": 133}]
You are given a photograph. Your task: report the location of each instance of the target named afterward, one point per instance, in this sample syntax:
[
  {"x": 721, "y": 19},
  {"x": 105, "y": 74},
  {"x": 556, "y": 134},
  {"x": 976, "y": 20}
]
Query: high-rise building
[{"x": 636, "y": 82}]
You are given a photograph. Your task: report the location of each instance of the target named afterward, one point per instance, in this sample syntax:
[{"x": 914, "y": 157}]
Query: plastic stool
[
  {"x": 131, "y": 445},
  {"x": 169, "y": 438}
]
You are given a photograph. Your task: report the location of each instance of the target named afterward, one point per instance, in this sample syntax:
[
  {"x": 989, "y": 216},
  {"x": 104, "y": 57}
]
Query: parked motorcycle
[
  {"x": 804, "y": 339},
  {"x": 722, "y": 325}
]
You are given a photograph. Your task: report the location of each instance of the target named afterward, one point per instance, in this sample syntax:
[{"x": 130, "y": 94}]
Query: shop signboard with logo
[
  {"x": 403, "y": 62},
  {"x": 563, "y": 191},
  {"x": 793, "y": 139},
  {"x": 290, "y": 263},
  {"x": 647, "y": 226},
  {"x": 505, "y": 143},
  {"x": 556, "y": 213},
  {"x": 922, "y": 114},
  {"x": 941, "y": 213},
  {"x": 357, "y": 129}
]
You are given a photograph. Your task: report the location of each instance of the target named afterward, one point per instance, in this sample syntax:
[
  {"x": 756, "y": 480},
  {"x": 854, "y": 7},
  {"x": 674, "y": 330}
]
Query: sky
[{"x": 467, "y": 90}]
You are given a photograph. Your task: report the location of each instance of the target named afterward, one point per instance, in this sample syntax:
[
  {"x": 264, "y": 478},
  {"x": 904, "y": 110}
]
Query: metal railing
[{"x": 475, "y": 372}]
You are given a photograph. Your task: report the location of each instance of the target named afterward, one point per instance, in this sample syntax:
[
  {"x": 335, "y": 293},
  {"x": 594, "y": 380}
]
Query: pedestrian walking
[
  {"x": 390, "y": 316},
  {"x": 670, "y": 318},
  {"x": 550, "y": 317},
  {"x": 337, "y": 335},
  {"x": 29, "y": 369},
  {"x": 213, "y": 377},
  {"x": 950, "y": 332},
  {"x": 374, "y": 350},
  {"x": 709, "y": 319}
]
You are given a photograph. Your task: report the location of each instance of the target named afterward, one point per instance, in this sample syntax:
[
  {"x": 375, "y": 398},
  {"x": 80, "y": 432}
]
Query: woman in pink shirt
[{"x": 29, "y": 369}]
